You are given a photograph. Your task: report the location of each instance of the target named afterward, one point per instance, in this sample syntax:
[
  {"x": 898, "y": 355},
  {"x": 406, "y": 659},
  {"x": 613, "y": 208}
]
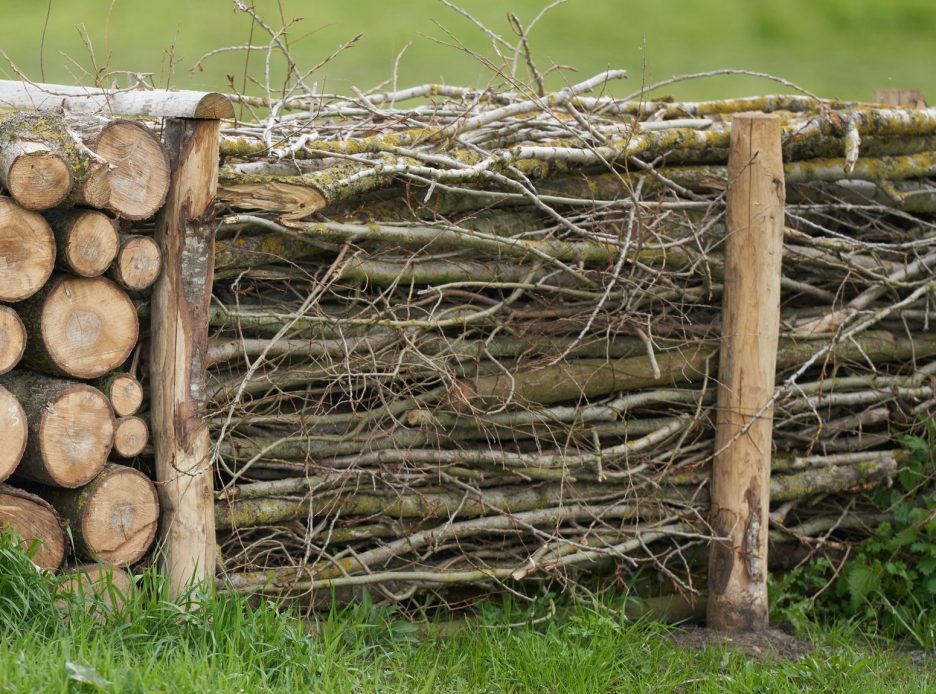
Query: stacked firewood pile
[
  {"x": 75, "y": 261},
  {"x": 469, "y": 337}
]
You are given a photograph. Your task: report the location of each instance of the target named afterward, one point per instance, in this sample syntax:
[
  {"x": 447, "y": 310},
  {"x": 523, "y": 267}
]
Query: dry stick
[
  {"x": 308, "y": 303},
  {"x": 513, "y": 513},
  {"x": 748, "y": 356}
]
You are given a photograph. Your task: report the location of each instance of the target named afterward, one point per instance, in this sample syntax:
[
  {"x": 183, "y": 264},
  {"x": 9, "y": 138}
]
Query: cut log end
[
  {"x": 27, "y": 251},
  {"x": 115, "y": 518},
  {"x": 87, "y": 241},
  {"x": 111, "y": 585},
  {"x": 124, "y": 391},
  {"x": 138, "y": 263},
  {"x": 36, "y": 522},
  {"x": 138, "y": 173},
  {"x": 130, "y": 436},
  {"x": 12, "y": 339},
  {"x": 13, "y": 433},
  {"x": 38, "y": 179},
  {"x": 214, "y": 106},
  {"x": 87, "y": 327},
  {"x": 75, "y": 436}
]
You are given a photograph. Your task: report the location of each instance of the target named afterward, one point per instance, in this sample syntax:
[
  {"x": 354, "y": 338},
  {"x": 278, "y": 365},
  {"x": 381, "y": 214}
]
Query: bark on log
[
  {"x": 589, "y": 378},
  {"x": 138, "y": 263},
  {"x": 33, "y": 168},
  {"x": 160, "y": 103},
  {"x": 124, "y": 392},
  {"x": 34, "y": 520},
  {"x": 71, "y": 428},
  {"x": 79, "y": 327},
  {"x": 130, "y": 436},
  {"x": 86, "y": 241},
  {"x": 177, "y": 354},
  {"x": 747, "y": 366},
  {"x": 27, "y": 251},
  {"x": 134, "y": 182},
  {"x": 112, "y": 519},
  {"x": 13, "y": 433},
  {"x": 12, "y": 339}
]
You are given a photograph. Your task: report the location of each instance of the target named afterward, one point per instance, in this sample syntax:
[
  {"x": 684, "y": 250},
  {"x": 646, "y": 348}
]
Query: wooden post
[
  {"x": 750, "y": 331},
  {"x": 906, "y": 98},
  {"x": 177, "y": 353}
]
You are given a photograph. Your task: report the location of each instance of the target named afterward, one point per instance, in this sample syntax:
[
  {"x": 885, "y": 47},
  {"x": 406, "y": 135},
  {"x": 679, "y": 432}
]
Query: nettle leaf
[
  {"x": 918, "y": 448},
  {"x": 931, "y": 585},
  {"x": 905, "y": 537},
  {"x": 909, "y": 479},
  {"x": 863, "y": 580}
]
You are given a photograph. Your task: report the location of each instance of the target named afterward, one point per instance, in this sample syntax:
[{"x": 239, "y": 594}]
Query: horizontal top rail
[{"x": 160, "y": 103}]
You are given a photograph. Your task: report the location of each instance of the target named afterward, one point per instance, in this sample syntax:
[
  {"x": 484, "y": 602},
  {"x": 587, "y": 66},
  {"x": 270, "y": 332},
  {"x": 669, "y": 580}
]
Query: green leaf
[
  {"x": 931, "y": 585},
  {"x": 85, "y": 675},
  {"x": 863, "y": 580}
]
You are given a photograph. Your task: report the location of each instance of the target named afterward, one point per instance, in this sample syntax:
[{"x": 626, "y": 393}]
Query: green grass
[
  {"x": 843, "y": 48},
  {"x": 157, "y": 645}
]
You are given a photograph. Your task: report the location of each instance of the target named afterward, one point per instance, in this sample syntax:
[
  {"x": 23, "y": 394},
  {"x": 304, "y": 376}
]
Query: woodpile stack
[
  {"x": 72, "y": 267},
  {"x": 457, "y": 338},
  {"x": 469, "y": 338}
]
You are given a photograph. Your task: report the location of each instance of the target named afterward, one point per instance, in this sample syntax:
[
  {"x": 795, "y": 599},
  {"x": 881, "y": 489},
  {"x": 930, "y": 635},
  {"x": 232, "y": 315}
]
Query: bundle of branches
[{"x": 468, "y": 337}]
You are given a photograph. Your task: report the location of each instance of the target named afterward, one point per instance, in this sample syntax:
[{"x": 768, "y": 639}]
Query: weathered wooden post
[
  {"x": 177, "y": 353},
  {"x": 750, "y": 330}
]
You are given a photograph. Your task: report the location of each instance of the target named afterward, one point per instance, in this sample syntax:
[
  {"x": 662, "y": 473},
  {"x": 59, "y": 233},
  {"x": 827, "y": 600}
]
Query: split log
[
  {"x": 79, "y": 327},
  {"x": 124, "y": 392},
  {"x": 130, "y": 436},
  {"x": 137, "y": 264},
  {"x": 110, "y": 584},
  {"x": 86, "y": 241},
  {"x": 13, "y": 433},
  {"x": 113, "y": 519},
  {"x": 27, "y": 251},
  {"x": 12, "y": 339},
  {"x": 134, "y": 182},
  {"x": 33, "y": 167},
  {"x": 34, "y": 520},
  {"x": 71, "y": 429}
]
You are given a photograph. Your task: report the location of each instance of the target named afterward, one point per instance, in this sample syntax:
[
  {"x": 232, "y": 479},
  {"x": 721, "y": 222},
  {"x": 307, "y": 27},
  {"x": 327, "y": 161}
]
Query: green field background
[{"x": 842, "y": 48}]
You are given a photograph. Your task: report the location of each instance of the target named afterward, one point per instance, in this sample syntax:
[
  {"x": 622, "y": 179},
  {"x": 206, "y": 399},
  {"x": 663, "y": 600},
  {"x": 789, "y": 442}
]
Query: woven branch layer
[{"x": 468, "y": 338}]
